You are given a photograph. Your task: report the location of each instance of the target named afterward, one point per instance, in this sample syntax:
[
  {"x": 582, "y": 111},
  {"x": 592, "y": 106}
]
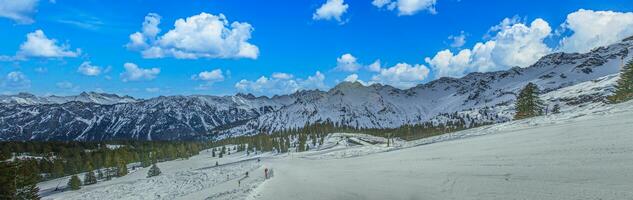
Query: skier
[
  {"x": 266, "y": 173},
  {"x": 246, "y": 174}
]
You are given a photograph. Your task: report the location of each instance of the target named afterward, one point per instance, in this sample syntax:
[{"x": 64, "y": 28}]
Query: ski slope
[{"x": 584, "y": 153}]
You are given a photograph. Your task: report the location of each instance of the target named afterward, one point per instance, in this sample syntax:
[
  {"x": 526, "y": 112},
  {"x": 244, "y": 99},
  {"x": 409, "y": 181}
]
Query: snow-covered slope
[
  {"x": 487, "y": 96},
  {"x": 580, "y": 154},
  {"x": 583, "y": 153}
]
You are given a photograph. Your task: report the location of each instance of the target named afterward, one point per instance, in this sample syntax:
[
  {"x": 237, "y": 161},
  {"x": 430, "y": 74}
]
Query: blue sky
[{"x": 86, "y": 45}]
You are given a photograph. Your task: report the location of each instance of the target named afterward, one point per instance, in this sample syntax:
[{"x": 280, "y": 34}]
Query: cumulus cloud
[
  {"x": 407, "y": 7},
  {"x": 16, "y": 80},
  {"x": 402, "y": 75},
  {"x": 515, "y": 44},
  {"x": 20, "y": 11},
  {"x": 199, "y": 36},
  {"x": 592, "y": 29},
  {"x": 279, "y": 75},
  {"x": 272, "y": 86},
  {"x": 458, "y": 40},
  {"x": 134, "y": 73},
  {"x": 38, "y": 45},
  {"x": 215, "y": 75},
  {"x": 354, "y": 78},
  {"x": 347, "y": 62},
  {"x": 86, "y": 68},
  {"x": 374, "y": 67},
  {"x": 331, "y": 10},
  {"x": 149, "y": 31}
]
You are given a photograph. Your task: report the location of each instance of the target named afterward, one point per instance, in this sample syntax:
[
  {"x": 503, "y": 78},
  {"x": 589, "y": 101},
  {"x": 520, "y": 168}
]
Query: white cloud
[
  {"x": 209, "y": 76},
  {"x": 347, "y": 62},
  {"x": 16, "y": 80},
  {"x": 374, "y": 67},
  {"x": 272, "y": 86},
  {"x": 199, "y": 36},
  {"x": 86, "y": 68},
  {"x": 331, "y": 10},
  {"x": 134, "y": 73},
  {"x": 402, "y": 75},
  {"x": 458, "y": 41},
  {"x": 351, "y": 78},
  {"x": 149, "y": 31},
  {"x": 592, "y": 29},
  {"x": 515, "y": 44},
  {"x": 407, "y": 7},
  {"x": 64, "y": 85},
  {"x": 19, "y": 11},
  {"x": 279, "y": 75},
  {"x": 354, "y": 78},
  {"x": 38, "y": 45}
]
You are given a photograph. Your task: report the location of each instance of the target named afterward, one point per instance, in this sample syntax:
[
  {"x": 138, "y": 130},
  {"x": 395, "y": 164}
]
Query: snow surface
[{"x": 582, "y": 153}]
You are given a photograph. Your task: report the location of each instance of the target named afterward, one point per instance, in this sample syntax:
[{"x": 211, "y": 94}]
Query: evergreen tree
[
  {"x": 556, "y": 109},
  {"x": 121, "y": 169},
  {"x": 18, "y": 180},
  {"x": 528, "y": 102},
  {"x": 26, "y": 180},
  {"x": 74, "y": 183},
  {"x": 624, "y": 86},
  {"x": 99, "y": 174},
  {"x": 89, "y": 177},
  {"x": 153, "y": 171},
  {"x": 7, "y": 180}
]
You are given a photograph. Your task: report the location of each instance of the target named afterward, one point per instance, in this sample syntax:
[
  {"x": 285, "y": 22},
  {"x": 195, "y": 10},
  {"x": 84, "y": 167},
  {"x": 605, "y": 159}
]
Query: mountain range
[{"x": 92, "y": 116}]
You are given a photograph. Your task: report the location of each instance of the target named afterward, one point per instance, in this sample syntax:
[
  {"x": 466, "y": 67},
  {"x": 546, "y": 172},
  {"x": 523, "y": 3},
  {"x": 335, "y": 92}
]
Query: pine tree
[
  {"x": 18, "y": 180},
  {"x": 624, "y": 87},
  {"x": 90, "y": 178},
  {"x": 528, "y": 102},
  {"x": 556, "y": 109},
  {"x": 153, "y": 171},
  {"x": 26, "y": 180},
  {"x": 74, "y": 183},
  {"x": 100, "y": 174},
  {"x": 121, "y": 169}
]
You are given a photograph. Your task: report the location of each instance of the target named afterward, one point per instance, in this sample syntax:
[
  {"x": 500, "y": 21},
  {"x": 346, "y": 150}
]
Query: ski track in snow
[{"x": 584, "y": 153}]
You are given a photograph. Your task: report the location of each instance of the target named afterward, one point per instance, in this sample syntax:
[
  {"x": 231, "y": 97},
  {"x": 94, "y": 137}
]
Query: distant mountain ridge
[
  {"x": 97, "y": 116},
  {"x": 86, "y": 97}
]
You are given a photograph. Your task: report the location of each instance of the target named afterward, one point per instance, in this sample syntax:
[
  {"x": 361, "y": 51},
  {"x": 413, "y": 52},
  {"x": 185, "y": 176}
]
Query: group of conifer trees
[{"x": 23, "y": 164}]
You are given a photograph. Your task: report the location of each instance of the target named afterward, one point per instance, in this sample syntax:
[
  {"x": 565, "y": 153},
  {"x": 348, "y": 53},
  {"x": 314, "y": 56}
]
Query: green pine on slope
[
  {"x": 624, "y": 86},
  {"x": 528, "y": 102}
]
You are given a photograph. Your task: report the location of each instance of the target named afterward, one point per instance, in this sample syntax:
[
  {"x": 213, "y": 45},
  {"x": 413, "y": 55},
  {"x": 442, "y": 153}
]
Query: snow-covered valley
[{"x": 584, "y": 153}]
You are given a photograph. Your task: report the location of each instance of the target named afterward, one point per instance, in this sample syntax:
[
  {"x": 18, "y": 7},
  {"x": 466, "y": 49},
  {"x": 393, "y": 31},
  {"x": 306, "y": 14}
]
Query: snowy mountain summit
[{"x": 97, "y": 116}]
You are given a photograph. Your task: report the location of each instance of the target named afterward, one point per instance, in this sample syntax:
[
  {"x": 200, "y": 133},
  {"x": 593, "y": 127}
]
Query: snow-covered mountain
[
  {"x": 92, "y": 116},
  {"x": 86, "y": 97}
]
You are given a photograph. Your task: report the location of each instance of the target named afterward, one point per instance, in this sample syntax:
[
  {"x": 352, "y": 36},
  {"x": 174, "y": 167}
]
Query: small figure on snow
[{"x": 266, "y": 173}]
